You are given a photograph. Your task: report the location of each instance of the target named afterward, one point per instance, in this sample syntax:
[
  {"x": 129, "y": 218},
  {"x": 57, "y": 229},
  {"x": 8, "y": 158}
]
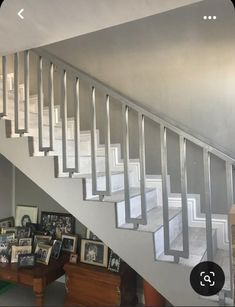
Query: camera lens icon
[{"x": 207, "y": 278}]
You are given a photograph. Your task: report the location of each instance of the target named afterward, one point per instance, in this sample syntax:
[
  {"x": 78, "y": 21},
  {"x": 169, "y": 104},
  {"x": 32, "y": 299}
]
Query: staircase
[{"x": 161, "y": 234}]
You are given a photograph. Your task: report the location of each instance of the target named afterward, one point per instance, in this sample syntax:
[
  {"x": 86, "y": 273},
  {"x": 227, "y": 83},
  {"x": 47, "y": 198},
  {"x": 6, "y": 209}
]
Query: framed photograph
[
  {"x": 114, "y": 262},
  {"x": 23, "y": 232},
  {"x": 5, "y": 254},
  {"x": 69, "y": 243},
  {"x": 7, "y": 222},
  {"x": 91, "y": 236},
  {"x": 25, "y": 241},
  {"x": 34, "y": 228},
  {"x": 73, "y": 258},
  {"x": 56, "y": 249},
  {"x": 7, "y": 238},
  {"x": 26, "y": 214},
  {"x": 57, "y": 224},
  {"x": 94, "y": 252},
  {"x": 43, "y": 253},
  {"x": 9, "y": 230},
  {"x": 41, "y": 239},
  {"x": 18, "y": 250},
  {"x": 26, "y": 260}
]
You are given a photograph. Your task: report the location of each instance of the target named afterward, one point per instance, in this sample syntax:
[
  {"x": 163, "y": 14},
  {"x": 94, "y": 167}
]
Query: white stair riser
[
  {"x": 135, "y": 203},
  {"x": 117, "y": 181}
]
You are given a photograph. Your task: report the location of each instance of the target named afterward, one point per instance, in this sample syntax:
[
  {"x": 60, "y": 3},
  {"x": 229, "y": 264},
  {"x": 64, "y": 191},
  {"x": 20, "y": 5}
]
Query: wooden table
[{"x": 37, "y": 278}]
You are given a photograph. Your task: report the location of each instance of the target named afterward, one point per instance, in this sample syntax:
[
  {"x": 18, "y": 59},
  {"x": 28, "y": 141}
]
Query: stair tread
[
  {"x": 154, "y": 218},
  {"x": 89, "y": 175},
  {"x": 119, "y": 196}
]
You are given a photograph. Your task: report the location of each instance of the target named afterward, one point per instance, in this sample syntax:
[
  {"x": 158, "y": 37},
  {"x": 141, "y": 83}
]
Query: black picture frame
[
  {"x": 114, "y": 262},
  {"x": 23, "y": 232},
  {"x": 56, "y": 224},
  {"x": 7, "y": 222},
  {"x": 26, "y": 260},
  {"x": 56, "y": 249}
]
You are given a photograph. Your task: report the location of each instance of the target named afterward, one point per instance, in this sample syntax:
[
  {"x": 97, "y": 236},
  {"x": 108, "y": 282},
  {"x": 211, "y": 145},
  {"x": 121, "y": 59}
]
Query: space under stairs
[{"x": 161, "y": 234}]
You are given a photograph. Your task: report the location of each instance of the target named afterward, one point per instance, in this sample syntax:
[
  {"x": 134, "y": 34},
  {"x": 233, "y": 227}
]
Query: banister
[{"x": 133, "y": 104}]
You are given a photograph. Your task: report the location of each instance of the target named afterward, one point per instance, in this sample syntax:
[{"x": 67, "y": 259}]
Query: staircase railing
[{"x": 143, "y": 114}]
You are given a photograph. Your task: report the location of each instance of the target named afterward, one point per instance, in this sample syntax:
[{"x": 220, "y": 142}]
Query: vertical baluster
[
  {"x": 40, "y": 103},
  {"x": 26, "y": 91},
  {"x": 125, "y": 131},
  {"x": 93, "y": 143},
  {"x": 208, "y": 211},
  {"x": 4, "y": 86},
  {"x": 77, "y": 127},
  {"x": 183, "y": 175},
  {"x": 230, "y": 202},
  {"x": 141, "y": 122},
  {"x": 16, "y": 91},
  {"x": 107, "y": 146},
  {"x": 165, "y": 189},
  {"x": 51, "y": 106},
  {"x": 64, "y": 120}
]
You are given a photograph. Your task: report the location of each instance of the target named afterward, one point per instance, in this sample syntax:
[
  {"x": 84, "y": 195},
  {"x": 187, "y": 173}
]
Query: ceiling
[{"x": 50, "y": 21}]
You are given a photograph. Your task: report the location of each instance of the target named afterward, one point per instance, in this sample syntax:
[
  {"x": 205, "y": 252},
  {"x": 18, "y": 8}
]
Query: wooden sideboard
[{"x": 88, "y": 285}]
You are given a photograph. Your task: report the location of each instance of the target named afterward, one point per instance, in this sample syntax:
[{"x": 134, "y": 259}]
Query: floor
[{"x": 23, "y": 296}]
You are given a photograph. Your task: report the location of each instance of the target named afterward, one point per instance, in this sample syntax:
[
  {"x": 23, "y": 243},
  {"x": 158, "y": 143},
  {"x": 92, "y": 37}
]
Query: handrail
[{"x": 132, "y": 104}]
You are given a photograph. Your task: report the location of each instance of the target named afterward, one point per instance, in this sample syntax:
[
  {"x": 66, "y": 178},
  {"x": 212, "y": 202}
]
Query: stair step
[
  {"x": 154, "y": 218},
  {"x": 197, "y": 246}
]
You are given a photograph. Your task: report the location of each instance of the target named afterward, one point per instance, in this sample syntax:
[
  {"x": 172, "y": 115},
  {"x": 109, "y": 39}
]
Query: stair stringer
[{"x": 137, "y": 249}]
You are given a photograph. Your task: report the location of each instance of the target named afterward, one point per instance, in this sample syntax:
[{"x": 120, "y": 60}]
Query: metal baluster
[
  {"x": 4, "y": 86},
  {"x": 16, "y": 91},
  {"x": 26, "y": 91},
  {"x": 165, "y": 190},
  {"x": 125, "y": 131},
  {"x": 141, "y": 121},
  {"x": 107, "y": 147},
  {"x": 207, "y": 184},
  {"x": 64, "y": 121},
  {"x": 183, "y": 175},
  {"x": 77, "y": 127},
  {"x": 93, "y": 144},
  {"x": 51, "y": 106},
  {"x": 40, "y": 103},
  {"x": 230, "y": 202}
]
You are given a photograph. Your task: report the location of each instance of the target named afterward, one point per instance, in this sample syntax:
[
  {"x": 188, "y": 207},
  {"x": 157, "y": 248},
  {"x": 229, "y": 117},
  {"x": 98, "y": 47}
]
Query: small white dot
[
  {"x": 214, "y": 17},
  {"x": 205, "y": 17},
  {"x": 209, "y": 17}
]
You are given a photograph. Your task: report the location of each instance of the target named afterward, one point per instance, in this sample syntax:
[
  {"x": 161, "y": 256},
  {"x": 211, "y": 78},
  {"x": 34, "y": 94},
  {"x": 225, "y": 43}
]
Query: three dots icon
[{"x": 209, "y": 17}]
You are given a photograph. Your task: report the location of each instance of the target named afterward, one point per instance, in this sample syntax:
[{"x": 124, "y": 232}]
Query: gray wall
[
  {"x": 6, "y": 188},
  {"x": 179, "y": 66},
  {"x": 28, "y": 193}
]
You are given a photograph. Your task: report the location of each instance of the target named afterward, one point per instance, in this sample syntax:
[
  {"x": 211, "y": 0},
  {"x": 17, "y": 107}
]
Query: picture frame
[
  {"x": 22, "y": 232},
  {"x": 114, "y": 262},
  {"x": 94, "y": 252},
  {"x": 41, "y": 239},
  {"x": 69, "y": 243},
  {"x": 17, "y": 250},
  {"x": 57, "y": 224},
  {"x": 26, "y": 260},
  {"x": 91, "y": 236},
  {"x": 73, "y": 258},
  {"x": 6, "y": 238},
  {"x": 25, "y": 214},
  {"x": 56, "y": 249},
  {"x": 25, "y": 241},
  {"x": 43, "y": 253},
  {"x": 9, "y": 230},
  {"x": 7, "y": 222},
  {"x": 5, "y": 254}
]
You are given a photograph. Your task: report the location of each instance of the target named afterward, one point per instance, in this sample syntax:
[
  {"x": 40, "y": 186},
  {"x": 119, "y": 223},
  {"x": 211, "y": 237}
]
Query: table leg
[{"x": 39, "y": 299}]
